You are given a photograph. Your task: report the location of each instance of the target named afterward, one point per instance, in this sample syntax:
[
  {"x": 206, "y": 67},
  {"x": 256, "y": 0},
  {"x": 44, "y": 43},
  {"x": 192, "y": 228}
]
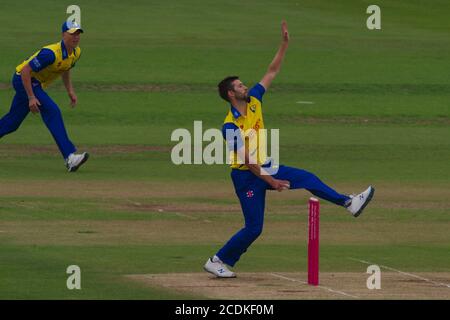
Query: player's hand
[
  {"x": 73, "y": 99},
  {"x": 33, "y": 104},
  {"x": 284, "y": 31},
  {"x": 281, "y": 185}
]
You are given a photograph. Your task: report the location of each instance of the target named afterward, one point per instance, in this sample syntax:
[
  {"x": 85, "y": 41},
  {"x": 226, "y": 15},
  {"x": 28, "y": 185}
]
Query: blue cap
[{"x": 71, "y": 27}]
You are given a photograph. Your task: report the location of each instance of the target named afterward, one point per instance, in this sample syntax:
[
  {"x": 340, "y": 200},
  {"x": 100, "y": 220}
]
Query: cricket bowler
[
  {"x": 29, "y": 81},
  {"x": 251, "y": 177}
]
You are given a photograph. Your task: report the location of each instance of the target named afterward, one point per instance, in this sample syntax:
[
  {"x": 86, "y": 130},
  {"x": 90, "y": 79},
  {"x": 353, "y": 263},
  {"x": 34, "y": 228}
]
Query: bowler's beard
[{"x": 245, "y": 98}]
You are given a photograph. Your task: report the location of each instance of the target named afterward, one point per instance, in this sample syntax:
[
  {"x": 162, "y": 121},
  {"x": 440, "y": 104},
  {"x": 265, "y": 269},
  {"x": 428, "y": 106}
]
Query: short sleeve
[
  {"x": 44, "y": 58},
  {"x": 257, "y": 91},
  {"x": 232, "y": 135}
]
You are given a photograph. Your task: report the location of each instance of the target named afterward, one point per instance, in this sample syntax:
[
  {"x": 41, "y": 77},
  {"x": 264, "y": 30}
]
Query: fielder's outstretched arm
[{"x": 275, "y": 65}]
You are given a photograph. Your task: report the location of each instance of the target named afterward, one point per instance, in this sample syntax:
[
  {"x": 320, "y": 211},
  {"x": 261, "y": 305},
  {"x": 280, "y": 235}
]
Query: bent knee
[
  {"x": 8, "y": 130},
  {"x": 254, "y": 231}
]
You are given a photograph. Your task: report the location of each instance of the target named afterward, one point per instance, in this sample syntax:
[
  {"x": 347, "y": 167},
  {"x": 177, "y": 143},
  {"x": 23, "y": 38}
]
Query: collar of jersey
[
  {"x": 235, "y": 112},
  {"x": 64, "y": 50}
]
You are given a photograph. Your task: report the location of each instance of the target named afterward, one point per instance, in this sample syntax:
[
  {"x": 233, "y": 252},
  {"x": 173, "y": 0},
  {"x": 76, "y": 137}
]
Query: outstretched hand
[
  {"x": 275, "y": 65},
  {"x": 284, "y": 31}
]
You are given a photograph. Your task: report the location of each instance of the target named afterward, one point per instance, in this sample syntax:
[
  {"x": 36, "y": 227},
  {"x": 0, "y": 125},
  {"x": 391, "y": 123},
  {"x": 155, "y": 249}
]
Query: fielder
[
  {"x": 251, "y": 177},
  {"x": 32, "y": 77}
]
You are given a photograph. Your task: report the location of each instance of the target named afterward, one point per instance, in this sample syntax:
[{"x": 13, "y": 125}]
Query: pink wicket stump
[{"x": 313, "y": 242}]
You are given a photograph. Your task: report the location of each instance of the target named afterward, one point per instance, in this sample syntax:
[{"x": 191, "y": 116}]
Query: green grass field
[{"x": 380, "y": 115}]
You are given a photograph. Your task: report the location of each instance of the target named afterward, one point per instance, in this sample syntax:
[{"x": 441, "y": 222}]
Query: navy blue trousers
[
  {"x": 251, "y": 192},
  {"x": 49, "y": 110}
]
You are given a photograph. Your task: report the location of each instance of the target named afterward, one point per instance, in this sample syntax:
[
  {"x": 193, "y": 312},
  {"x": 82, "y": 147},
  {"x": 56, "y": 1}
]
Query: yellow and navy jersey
[
  {"x": 239, "y": 130},
  {"x": 50, "y": 62}
]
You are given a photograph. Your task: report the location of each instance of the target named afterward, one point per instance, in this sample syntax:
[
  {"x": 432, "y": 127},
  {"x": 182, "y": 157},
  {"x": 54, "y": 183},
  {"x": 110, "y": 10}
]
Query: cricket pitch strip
[{"x": 293, "y": 286}]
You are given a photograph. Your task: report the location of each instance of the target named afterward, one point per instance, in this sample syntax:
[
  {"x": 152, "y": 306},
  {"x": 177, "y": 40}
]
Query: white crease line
[
  {"x": 191, "y": 217},
  {"x": 322, "y": 287},
  {"x": 134, "y": 203},
  {"x": 404, "y": 273},
  {"x": 305, "y": 102},
  {"x": 185, "y": 216},
  {"x": 29, "y": 207}
]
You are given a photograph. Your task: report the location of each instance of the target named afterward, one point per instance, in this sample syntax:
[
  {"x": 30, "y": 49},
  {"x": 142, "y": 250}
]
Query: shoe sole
[
  {"x": 79, "y": 165},
  {"x": 365, "y": 203},
  {"x": 234, "y": 276}
]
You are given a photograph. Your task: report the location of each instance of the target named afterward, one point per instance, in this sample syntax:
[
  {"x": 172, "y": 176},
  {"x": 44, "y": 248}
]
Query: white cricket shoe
[
  {"x": 360, "y": 201},
  {"x": 74, "y": 161},
  {"x": 215, "y": 266}
]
